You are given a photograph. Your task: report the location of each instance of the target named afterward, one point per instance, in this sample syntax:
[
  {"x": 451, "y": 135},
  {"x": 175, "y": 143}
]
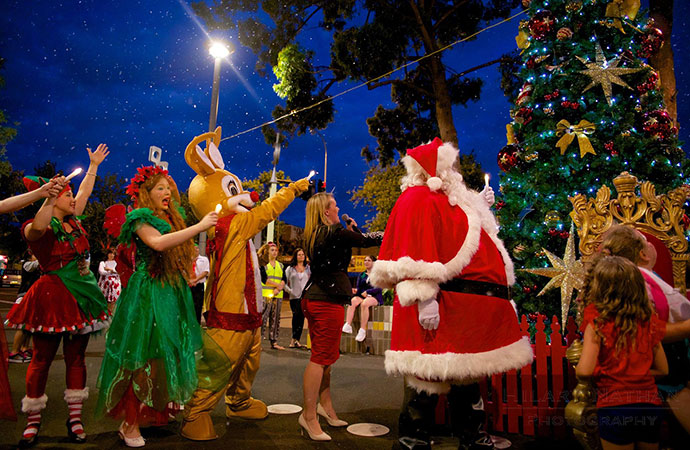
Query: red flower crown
[{"x": 143, "y": 174}]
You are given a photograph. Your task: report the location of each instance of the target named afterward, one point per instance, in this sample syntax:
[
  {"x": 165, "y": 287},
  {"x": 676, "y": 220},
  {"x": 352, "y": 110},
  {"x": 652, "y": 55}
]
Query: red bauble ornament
[
  {"x": 523, "y": 116},
  {"x": 541, "y": 24},
  {"x": 658, "y": 124},
  {"x": 651, "y": 42},
  {"x": 508, "y": 157},
  {"x": 564, "y": 34}
]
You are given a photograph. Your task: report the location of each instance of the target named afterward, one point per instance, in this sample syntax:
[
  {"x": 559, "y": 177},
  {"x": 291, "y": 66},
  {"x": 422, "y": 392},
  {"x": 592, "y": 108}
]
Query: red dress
[
  {"x": 429, "y": 242},
  {"x": 623, "y": 378},
  {"x": 50, "y": 306}
]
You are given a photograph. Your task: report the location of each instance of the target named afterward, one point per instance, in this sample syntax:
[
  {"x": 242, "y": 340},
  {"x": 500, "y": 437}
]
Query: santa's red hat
[{"x": 432, "y": 159}]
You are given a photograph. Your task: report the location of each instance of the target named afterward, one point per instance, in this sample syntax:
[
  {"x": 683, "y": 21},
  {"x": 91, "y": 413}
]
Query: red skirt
[{"x": 325, "y": 321}]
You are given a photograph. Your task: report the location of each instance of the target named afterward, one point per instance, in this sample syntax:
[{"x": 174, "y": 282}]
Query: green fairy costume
[{"x": 149, "y": 362}]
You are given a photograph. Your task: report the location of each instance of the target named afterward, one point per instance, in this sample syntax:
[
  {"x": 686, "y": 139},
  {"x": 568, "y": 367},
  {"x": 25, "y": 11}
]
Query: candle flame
[
  {"x": 219, "y": 208},
  {"x": 74, "y": 173}
]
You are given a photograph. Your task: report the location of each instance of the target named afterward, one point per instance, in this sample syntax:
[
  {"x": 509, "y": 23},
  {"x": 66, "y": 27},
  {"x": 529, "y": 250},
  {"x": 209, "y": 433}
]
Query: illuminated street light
[{"x": 218, "y": 50}]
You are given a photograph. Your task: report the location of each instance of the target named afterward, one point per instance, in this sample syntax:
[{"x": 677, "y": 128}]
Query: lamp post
[
  {"x": 218, "y": 50},
  {"x": 270, "y": 230},
  {"x": 325, "y": 156}
]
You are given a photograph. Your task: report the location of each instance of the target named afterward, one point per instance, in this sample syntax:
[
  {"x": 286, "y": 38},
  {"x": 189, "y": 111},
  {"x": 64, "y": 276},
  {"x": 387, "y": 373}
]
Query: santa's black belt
[{"x": 476, "y": 287}]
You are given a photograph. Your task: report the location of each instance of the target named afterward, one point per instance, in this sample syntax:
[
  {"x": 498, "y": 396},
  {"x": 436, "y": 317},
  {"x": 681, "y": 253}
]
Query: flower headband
[{"x": 143, "y": 174}]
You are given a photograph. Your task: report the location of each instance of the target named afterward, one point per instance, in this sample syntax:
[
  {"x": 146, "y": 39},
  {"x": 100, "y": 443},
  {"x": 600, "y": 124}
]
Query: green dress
[{"x": 153, "y": 339}]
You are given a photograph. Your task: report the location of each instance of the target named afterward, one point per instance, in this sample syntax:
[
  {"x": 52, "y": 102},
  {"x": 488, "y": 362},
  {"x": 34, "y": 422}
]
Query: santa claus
[{"x": 453, "y": 320}]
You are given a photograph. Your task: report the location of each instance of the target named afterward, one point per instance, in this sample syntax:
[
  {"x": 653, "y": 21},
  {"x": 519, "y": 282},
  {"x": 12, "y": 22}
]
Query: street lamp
[{"x": 218, "y": 50}]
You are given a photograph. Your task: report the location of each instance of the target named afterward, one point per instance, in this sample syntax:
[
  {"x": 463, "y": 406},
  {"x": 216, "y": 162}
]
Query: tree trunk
[
  {"x": 444, "y": 107},
  {"x": 662, "y": 13}
]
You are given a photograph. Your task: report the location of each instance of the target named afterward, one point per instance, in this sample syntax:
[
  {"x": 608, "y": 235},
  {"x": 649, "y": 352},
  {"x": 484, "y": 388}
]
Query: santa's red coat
[{"x": 429, "y": 241}]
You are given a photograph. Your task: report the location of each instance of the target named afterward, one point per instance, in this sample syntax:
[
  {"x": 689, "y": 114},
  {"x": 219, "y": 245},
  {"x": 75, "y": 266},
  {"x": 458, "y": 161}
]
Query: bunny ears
[{"x": 205, "y": 162}]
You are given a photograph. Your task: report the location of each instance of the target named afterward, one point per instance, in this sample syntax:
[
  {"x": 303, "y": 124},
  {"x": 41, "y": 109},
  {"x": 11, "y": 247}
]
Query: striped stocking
[
  {"x": 33, "y": 423},
  {"x": 75, "y": 417}
]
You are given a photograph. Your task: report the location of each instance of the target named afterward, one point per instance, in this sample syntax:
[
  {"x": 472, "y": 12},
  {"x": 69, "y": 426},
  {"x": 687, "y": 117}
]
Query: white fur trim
[
  {"x": 76, "y": 395},
  {"x": 430, "y": 387},
  {"x": 34, "y": 405},
  {"x": 434, "y": 183},
  {"x": 411, "y": 291},
  {"x": 452, "y": 367}
]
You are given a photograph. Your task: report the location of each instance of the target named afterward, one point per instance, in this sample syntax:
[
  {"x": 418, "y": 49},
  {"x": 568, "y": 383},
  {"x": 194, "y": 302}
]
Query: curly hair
[
  {"x": 618, "y": 291},
  {"x": 621, "y": 240},
  {"x": 177, "y": 260}
]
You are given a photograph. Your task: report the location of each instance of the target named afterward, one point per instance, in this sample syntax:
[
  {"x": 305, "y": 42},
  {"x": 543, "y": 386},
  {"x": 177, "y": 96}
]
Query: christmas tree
[{"x": 589, "y": 107}]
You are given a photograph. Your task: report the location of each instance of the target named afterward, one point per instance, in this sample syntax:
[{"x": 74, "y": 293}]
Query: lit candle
[
  {"x": 219, "y": 208},
  {"x": 311, "y": 174},
  {"x": 74, "y": 173},
  {"x": 486, "y": 180}
]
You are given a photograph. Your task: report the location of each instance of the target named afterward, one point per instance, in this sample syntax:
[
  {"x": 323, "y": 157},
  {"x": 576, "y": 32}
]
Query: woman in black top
[{"x": 329, "y": 247}]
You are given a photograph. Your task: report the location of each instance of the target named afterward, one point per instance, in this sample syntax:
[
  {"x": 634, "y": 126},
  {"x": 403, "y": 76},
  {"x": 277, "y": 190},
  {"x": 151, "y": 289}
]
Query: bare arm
[
  {"x": 86, "y": 186},
  {"x": 660, "y": 364},
  {"x": 590, "y": 353},
  {"x": 677, "y": 331},
  {"x": 162, "y": 242},
  {"x": 20, "y": 201}
]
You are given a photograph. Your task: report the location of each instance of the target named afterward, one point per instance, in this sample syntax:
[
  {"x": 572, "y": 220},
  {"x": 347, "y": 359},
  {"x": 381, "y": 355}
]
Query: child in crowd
[
  {"x": 622, "y": 351},
  {"x": 273, "y": 282}
]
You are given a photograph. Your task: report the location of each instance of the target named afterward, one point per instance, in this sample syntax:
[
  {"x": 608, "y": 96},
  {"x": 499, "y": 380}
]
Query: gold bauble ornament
[
  {"x": 573, "y": 7},
  {"x": 552, "y": 218}
]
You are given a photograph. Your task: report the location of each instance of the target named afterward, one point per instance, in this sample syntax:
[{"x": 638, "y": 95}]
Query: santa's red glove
[{"x": 429, "y": 317}]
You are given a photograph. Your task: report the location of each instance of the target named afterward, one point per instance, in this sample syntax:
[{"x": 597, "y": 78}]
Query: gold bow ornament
[
  {"x": 622, "y": 9},
  {"x": 568, "y": 132}
]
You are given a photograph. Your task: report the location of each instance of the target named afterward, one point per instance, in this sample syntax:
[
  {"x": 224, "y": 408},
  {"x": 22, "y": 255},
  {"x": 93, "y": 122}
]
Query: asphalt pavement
[{"x": 361, "y": 390}]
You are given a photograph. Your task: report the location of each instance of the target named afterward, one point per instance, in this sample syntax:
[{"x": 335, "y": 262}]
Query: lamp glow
[
  {"x": 74, "y": 173},
  {"x": 218, "y": 50}
]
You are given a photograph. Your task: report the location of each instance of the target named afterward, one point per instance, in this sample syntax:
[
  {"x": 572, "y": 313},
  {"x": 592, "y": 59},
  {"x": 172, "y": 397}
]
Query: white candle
[
  {"x": 311, "y": 174},
  {"x": 74, "y": 173},
  {"x": 486, "y": 180},
  {"x": 219, "y": 208}
]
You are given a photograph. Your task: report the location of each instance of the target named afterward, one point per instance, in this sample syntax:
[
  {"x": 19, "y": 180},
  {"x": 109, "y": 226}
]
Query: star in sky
[{"x": 605, "y": 72}]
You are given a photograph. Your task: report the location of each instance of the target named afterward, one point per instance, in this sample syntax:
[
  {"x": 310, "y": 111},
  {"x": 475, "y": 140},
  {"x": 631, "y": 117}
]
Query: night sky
[{"x": 136, "y": 74}]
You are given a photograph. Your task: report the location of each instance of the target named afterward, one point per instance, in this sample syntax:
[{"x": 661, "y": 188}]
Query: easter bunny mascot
[{"x": 232, "y": 342}]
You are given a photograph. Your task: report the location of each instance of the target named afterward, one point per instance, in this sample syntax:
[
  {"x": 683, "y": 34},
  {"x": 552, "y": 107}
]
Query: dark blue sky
[{"x": 136, "y": 74}]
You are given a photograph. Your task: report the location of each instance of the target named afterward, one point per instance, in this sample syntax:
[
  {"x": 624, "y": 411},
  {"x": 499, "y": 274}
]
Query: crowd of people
[{"x": 635, "y": 326}]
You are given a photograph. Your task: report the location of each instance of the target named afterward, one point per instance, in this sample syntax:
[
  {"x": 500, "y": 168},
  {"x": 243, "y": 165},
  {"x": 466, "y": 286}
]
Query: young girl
[
  {"x": 622, "y": 351},
  {"x": 64, "y": 305},
  {"x": 149, "y": 359},
  {"x": 109, "y": 280},
  {"x": 365, "y": 297},
  {"x": 273, "y": 282}
]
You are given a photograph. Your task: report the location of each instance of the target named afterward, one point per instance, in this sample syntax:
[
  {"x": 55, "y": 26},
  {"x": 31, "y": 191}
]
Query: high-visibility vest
[{"x": 274, "y": 274}]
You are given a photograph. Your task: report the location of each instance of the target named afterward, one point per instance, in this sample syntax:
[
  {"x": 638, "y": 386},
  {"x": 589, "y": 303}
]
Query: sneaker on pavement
[
  {"x": 28, "y": 354},
  {"x": 16, "y": 357},
  {"x": 361, "y": 335},
  {"x": 347, "y": 328}
]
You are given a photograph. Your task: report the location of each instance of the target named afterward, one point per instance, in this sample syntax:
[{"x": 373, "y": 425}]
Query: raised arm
[
  {"x": 20, "y": 201},
  {"x": 162, "y": 242},
  {"x": 86, "y": 186}
]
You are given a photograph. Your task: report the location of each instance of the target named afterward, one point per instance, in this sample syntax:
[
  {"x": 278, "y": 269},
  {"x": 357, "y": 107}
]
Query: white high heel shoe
[
  {"x": 131, "y": 442},
  {"x": 314, "y": 437},
  {"x": 332, "y": 422}
]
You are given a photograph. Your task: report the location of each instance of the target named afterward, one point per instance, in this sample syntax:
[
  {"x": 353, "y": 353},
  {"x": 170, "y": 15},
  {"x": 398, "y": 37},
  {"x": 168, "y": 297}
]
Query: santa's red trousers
[{"x": 45, "y": 348}]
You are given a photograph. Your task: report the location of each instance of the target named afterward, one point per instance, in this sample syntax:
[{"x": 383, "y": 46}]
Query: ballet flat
[
  {"x": 131, "y": 442},
  {"x": 314, "y": 437},
  {"x": 332, "y": 422}
]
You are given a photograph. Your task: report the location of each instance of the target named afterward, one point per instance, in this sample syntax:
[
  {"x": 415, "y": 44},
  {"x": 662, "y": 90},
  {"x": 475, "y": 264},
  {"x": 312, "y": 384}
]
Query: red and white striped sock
[
  {"x": 33, "y": 422},
  {"x": 75, "y": 417}
]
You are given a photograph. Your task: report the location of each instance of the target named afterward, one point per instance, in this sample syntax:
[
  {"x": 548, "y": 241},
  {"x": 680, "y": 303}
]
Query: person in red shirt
[{"x": 622, "y": 352}]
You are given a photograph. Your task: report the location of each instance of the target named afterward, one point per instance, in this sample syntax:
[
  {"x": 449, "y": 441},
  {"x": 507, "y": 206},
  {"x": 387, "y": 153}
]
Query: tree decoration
[
  {"x": 525, "y": 94},
  {"x": 566, "y": 273},
  {"x": 541, "y": 24},
  {"x": 605, "y": 73},
  {"x": 620, "y": 10},
  {"x": 523, "y": 116},
  {"x": 508, "y": 157},
  {"x": 658, "y": 124},
  {"x": 568, "y": 132},
  {"x": 651, "y": 42},
  {"x": 648, "y": 85},
  {"x": 552, "y": 218},
  {"x": 573, "y": 7},
  {"x": 564, "y": 34}
]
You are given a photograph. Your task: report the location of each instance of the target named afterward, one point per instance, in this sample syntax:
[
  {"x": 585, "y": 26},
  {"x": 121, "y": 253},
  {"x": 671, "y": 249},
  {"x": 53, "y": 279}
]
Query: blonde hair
[
  {"x": 621, "y": 240},
  {"x": 177, "y": 259},
  {"x": 618, "y": 291},
  {"x": 315, "y": 219}
]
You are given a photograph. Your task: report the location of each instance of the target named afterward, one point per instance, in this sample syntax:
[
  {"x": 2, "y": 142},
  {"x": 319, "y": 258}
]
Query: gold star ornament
[
  {"x": 567, "y": 273},
  {"x": 605, "y": 73}
]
